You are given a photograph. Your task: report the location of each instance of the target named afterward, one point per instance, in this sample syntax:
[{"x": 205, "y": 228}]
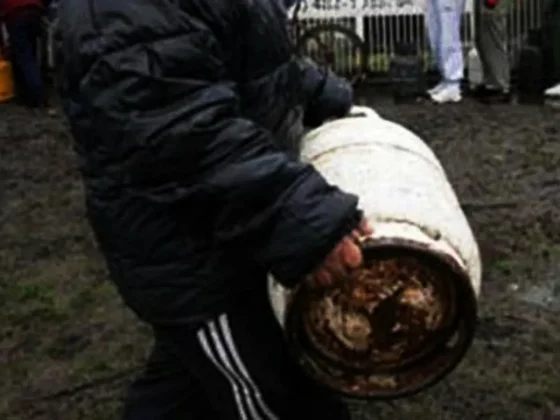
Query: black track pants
[{"x": 235, "y": 367}]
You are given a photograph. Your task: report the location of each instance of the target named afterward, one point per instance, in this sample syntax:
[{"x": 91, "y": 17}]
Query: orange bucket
[{"x": 7, "y": 88}]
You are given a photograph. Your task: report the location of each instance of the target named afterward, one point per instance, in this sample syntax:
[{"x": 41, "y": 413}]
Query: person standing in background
[
  {"x": 23, "y": 24},
  {"x": 444, "y": 31},
  {"x": 491, "y": 42},
  {"x": 551, "y": 47}
]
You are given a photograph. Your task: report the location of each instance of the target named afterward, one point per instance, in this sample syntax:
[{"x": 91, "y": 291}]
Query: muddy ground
[{"x": 68, "y": 347}]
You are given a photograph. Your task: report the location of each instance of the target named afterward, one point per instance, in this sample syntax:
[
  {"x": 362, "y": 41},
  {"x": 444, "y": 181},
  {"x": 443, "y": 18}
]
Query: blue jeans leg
[{"x": 23, "y": 34}]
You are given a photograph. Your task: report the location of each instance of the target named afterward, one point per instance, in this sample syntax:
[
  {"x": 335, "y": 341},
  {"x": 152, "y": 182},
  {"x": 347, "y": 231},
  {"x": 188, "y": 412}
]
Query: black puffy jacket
[{"x": 186, "y": 116}]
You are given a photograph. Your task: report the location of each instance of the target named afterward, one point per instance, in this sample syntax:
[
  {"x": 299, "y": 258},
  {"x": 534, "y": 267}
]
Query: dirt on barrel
[{"x": 68, "y": 348}]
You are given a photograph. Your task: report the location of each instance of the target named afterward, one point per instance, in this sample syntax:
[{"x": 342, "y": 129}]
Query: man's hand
[
  {"x": 328, "y": 96},
  {"x": 344, "y": 258}
]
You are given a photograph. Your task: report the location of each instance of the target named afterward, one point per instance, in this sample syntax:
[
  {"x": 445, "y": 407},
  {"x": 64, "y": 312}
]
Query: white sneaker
[
  {"x": 436, "y": 88},
  {"x": 553, "y": 91},
  {"x": 447, "y": 94}
]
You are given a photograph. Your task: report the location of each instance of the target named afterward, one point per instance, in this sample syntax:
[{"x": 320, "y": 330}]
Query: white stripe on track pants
[{"x": 233, "y": 367}]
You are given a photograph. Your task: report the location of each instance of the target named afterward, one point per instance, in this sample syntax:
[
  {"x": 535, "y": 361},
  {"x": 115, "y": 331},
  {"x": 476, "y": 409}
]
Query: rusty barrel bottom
[{"x": 394, "y": 328}]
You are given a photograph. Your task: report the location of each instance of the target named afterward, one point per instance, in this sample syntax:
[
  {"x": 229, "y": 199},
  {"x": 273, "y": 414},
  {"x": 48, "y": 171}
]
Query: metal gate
[
  {"x": 523, "y": 16},
  {"x": 382, "y": 24}
]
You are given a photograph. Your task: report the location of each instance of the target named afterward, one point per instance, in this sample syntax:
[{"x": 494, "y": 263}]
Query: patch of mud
[
  {"x": 545, "y": 293},
  {"x": 504, "y": 163},
  {"x": 546, "y": 296},
  {"x": 62, "y": 324}
]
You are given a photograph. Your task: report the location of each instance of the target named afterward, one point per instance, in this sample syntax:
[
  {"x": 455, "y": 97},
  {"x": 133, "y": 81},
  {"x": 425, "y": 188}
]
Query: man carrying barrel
[{"x": 187, "y": 117}]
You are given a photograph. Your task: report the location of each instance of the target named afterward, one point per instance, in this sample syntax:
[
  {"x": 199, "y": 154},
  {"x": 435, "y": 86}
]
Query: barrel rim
[{"x": 464, "y": 323}]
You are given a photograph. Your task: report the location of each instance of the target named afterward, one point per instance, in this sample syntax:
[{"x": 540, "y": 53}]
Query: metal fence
[
  {"x": 523, "y": 16},
  {"x": 382, "y": 24}
]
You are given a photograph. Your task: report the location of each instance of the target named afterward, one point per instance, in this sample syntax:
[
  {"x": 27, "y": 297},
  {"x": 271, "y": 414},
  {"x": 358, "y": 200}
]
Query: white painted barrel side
[{"x": 402, "y": 187}]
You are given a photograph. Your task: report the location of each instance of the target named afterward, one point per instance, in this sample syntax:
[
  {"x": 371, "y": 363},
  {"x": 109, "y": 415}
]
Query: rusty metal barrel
[{"x": 406, "y": 318}]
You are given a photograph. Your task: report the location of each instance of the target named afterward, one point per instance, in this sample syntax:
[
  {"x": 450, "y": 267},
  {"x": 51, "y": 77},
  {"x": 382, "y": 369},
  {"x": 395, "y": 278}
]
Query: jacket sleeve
[
  {"x": 187, "y": 146},
  {"x": 328, "y": 96}
]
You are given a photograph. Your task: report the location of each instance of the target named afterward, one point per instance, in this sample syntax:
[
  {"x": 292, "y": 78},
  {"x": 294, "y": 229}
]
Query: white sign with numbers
[{"x": 325, "y": 9}]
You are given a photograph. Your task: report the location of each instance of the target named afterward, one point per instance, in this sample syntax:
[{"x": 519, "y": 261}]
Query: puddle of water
[
  {"x": 546, "y": 292},
  {"x": 544, "y": 296}
]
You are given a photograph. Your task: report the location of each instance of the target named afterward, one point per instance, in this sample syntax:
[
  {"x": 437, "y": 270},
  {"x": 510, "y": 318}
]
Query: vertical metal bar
[{"x": 371, "y": 37}]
